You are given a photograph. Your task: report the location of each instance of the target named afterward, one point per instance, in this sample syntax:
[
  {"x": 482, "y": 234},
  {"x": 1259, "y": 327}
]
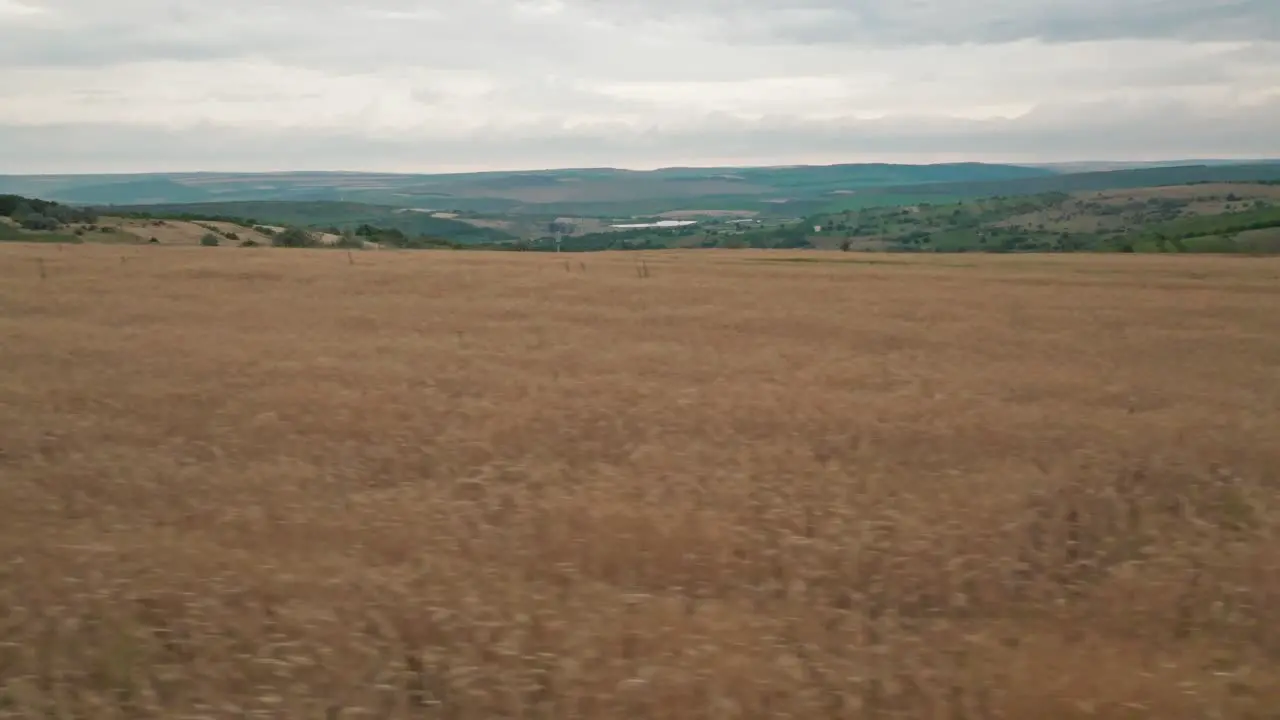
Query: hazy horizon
[
  {"x": 1087, "y": 164},
  {"x": 427, "y": 86}
]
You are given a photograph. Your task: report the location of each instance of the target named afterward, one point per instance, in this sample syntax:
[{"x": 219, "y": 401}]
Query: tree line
[{"x": 36, "y": 214}]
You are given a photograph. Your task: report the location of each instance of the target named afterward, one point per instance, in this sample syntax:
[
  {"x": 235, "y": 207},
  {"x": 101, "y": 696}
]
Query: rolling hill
[
  {"x": 1227, "y": 217},
  {"x": 600, "y": 191},
  {"x": 317, "y": 214},
  {"x": 790, "y": 191},
  {"x": 1063, "y": 183}
]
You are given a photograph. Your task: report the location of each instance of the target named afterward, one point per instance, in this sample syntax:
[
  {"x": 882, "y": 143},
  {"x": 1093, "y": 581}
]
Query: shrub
[
  {"x": 249, "y": 243},
  {"x": 40, "y": 222},
  {"x": 210, "y": 240},
  {"x": 294, "y": 237}
]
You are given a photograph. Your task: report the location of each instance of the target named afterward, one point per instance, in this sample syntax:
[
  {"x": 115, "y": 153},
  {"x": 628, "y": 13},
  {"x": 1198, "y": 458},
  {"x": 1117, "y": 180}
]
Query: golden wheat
[{"x": 261, "y": 483}]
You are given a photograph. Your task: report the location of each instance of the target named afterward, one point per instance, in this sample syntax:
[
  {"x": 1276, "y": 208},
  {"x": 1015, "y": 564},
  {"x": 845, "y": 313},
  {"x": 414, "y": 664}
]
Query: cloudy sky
[{"x": 441, "y": 85}]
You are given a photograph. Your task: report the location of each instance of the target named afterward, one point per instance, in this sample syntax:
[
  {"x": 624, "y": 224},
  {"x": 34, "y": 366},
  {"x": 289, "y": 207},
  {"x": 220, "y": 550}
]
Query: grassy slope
[
  {"x": 1142, "y": 218},
  {"x": 320, "y": 214}
]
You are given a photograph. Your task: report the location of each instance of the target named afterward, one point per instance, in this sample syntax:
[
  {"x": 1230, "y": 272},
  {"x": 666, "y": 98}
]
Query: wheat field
[{"x": 257, "y": 483}]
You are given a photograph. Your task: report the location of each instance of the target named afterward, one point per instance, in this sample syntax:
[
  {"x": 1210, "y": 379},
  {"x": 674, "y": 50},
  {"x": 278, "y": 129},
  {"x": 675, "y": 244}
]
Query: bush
[
  {"x": 294, "y": 237},
  {"x": 18, "y": 207},
  {"x": 210, "y": 240},
  {"x": 40, "y": 222},
  {"x": 249, "y": 243}
]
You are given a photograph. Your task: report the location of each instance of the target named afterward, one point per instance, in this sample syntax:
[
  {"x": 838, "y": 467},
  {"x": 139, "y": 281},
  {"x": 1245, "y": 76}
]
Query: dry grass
[
  {"x": 270, "y": 484},
  {"x": 175, "y": 232}
]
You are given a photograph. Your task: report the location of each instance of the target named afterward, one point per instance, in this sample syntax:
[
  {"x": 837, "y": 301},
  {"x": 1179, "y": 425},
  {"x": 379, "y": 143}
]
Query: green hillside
[
  {"x": 320, "y": 215},
  {"x": 1202, "y": 217}
]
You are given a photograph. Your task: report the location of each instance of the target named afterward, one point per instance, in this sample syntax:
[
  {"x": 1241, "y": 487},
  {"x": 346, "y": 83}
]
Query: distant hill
[
  {"x": 1227, "y": 217},
  {"x": 144, "y": 190},
  {"x": 778, "y": 192},
  {"x": 599, "y": 191},
  {"x": 951, "y": 192},
  {"x": 1083, "y": 166},
  {"x": 1103, "y": 180}
]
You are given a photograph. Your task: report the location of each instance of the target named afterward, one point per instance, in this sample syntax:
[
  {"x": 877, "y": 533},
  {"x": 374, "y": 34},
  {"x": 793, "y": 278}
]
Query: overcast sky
[{"x": 441, "y": 85}]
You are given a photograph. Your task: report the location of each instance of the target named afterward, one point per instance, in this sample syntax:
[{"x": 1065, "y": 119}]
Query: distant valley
[{"x": 944, "y": 207}]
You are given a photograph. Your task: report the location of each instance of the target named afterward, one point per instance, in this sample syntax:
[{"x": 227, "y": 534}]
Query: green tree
[
  {"x": 294, "y": 237},
  {"x": 37, "y": 221}
]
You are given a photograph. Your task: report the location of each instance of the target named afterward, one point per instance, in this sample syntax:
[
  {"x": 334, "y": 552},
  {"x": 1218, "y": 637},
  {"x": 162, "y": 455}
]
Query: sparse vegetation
[
  {"x": 486, "y": 485},
  {"x": 1158, "y": 219}
]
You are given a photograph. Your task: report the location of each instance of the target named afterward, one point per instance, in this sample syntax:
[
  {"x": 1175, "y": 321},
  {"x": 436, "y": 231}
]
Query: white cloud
[
  {"x": 10, "y": 9},
  {"x": 422, "y": 84}
]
